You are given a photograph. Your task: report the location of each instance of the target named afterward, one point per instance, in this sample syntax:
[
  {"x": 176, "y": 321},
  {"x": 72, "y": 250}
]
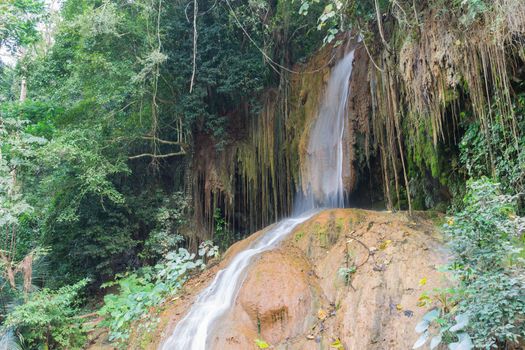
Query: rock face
[
  {"x": 254, "y": 180},
  {"x": 276, "y": 299},
  {"x": 295, "y": 298}
]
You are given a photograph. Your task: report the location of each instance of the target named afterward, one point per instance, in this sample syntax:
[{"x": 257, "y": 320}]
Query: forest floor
[{"x": 297, "y": 297}]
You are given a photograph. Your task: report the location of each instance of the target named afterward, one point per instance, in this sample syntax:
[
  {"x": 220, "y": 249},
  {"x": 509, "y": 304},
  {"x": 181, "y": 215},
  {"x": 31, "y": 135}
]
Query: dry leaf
[
  {"x": 385, "y": 244},
  {"x": 321, "y": 314}
]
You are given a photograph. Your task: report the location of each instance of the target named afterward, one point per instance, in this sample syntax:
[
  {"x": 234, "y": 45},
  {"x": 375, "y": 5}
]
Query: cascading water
[
  {"x": 325, "y": 179},
  {"x": 324, "y": 176},
  {"x": 193, "y": 330}
]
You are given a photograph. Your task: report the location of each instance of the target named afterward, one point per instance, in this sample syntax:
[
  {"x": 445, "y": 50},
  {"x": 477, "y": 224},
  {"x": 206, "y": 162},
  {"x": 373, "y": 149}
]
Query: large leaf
[
  {"x": 422, "y": 326},
  {"x": 464, "y": 343},
  {"x": 431, "y": 315},
  {"x": 435, "y": 341},
  {"x": 421, "y": 341},
  {"x": 461, "y": 322}
]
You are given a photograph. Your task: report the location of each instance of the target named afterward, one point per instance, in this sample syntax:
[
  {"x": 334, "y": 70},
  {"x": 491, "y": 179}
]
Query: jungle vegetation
[{"x": 107, "y": 105}]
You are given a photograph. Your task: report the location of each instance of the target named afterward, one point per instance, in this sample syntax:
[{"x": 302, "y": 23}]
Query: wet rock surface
[{"x": 295, "y": 296}]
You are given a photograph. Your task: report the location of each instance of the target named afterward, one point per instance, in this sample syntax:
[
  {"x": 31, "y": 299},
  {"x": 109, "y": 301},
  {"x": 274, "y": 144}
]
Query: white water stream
[
  {"x": 326, "y": 182},
  {"x": 324, "y": 177},
  {"x": 193, "y": 330}
]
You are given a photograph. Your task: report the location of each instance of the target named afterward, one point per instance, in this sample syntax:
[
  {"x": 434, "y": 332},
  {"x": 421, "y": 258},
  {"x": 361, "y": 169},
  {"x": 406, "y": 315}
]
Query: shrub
[
  {"x": 166, "y": 235},
  {"x": 488, "y": 246},
  {"x": 48, "y": 319},
  {"x": 487, "y": 242},
  {"x": 471, "y": 10},
  {"x": 222, "y": 236},
  {"x": 146, "y": 288},
  {"x": 507, "y": 163}
]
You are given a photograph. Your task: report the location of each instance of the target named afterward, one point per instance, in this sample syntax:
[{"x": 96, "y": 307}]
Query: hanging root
[{"x": 417, "y": 88}]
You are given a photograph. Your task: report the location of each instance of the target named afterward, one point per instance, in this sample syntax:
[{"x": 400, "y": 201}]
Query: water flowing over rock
[
  {"x": 193, "y": 331},
  {"x": 325, "y": 179},
  {"x": 294, "y": 297}
]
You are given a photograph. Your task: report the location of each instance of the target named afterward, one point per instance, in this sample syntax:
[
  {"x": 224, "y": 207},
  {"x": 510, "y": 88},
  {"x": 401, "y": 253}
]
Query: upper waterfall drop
[{"x": 324, "y": 176}]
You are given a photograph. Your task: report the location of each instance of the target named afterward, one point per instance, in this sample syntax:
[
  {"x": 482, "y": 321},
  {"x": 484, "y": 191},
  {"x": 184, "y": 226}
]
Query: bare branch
[
  {"x": 195, "y": 12},
  {"x": 380, "y": 25},
  {"x": 155, "y": 156},
  {"x": 156, "y": 139}
]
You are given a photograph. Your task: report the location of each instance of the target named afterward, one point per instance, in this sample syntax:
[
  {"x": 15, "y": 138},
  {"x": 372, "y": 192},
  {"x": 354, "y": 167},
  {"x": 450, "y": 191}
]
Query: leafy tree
[
  {"x": 18, "y": 20},
  {"x": 48, "y": 319}
]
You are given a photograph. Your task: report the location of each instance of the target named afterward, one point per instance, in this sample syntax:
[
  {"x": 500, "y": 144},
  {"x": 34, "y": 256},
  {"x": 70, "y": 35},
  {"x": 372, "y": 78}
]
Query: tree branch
[
  {"x": 156, "y": 139},
  {"x": 380, "y": 25},
  {"x": 167, "y": 155},
  {"x": 195, "y": 12}
]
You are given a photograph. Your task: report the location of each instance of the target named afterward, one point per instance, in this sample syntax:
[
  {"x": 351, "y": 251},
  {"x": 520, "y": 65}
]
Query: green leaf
[
  {"x": 303, "y": 10},
  {"x": 435, "y": 341},
  {"x": 464, "y": 343},
  {"x": 422, "y": 326},
  {"x": 421, "y": 341},
  {"x": 462, "y": 321}
]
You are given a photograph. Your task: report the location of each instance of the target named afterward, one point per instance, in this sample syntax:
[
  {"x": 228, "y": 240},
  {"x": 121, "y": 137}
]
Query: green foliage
[
  {"x": 170, "y": 217},
  {"x": 484, "y": 234},
  {"x": 53, "y": 181},
  {"x": 48, "y": 319},
  {"x": 40, "y": 117},
  {"x": 223, "y": 237},
  {"x": 489, "y": 265},
  {"x": 346, "y": 273},
  {"x": 207, "y": 250},
  {"x": 12, "y": 203},
  {"x": 18, "y": 151},
  {"x": 136, "y": 295},
  {"x": 79, "y": 168},
  {"x": 437, "y": 326},
  {"x": 471, "y": 10},
  {"x": 487, "y": 307},
  {"x": 143, "y": 290},
  {"x": 18, "y": 21},
  {"x": 496, "y": 152},
  {"x": 115, "y": 84},
  {"x": 84, "y": 221},
  {"x": 339, "y": 16},
  {"x": 328, "y": 19}
]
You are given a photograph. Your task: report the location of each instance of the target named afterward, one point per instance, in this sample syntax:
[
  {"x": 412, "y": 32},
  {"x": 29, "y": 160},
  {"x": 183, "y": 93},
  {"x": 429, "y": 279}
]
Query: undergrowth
[
  {"x": 143, "y": 290},
  {"x": 47, "y": 320},
  {"x": 488, "y": 301}
]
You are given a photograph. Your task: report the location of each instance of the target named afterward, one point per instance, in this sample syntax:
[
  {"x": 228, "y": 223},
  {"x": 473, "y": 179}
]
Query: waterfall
[
  {"x": 324, "y": 176},
  {"x": 325, "y": 181}
]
